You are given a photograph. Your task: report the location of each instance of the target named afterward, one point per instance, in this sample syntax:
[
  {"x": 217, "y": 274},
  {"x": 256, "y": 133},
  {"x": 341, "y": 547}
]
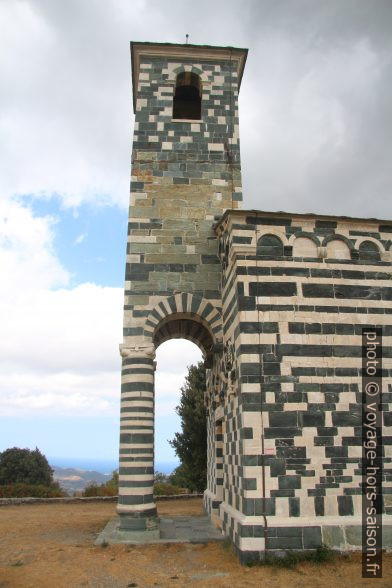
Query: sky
[{"x": 315, "y": 127}]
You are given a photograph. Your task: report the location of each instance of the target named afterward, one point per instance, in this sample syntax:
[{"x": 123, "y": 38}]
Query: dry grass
[{"x": 51, "y": 546}]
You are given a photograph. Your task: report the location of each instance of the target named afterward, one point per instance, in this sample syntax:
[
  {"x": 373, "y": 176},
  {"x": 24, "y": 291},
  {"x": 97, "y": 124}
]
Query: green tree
[
  {"x": 24, "y": 466},
  {"x": 160, "y": 478},
  {"x": 180, "y": 477},
  {"x": 191, "y": 444},
  {"x": 113, "y": 482}
]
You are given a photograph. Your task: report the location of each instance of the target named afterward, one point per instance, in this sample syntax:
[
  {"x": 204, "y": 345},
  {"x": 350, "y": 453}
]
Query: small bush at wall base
[
  {"x": 227, "y": 543},
  {"x": 322, "y": 554},
  {"x": 21, "y": 490}
]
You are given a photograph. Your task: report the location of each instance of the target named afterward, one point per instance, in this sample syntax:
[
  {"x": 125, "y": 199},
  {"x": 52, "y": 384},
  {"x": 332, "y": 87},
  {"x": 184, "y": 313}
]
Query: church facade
[{"x": 277, "y": 303}]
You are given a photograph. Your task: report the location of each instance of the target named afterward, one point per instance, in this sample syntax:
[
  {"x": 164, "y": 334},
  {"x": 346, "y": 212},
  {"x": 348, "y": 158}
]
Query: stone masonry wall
[
  {"x": 298, "y": 316},
  {"x": 185, "y": 174}
]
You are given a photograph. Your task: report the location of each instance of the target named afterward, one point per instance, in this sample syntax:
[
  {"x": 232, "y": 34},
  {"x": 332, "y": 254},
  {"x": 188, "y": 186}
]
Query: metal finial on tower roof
[{"x": 186, "y": 37}]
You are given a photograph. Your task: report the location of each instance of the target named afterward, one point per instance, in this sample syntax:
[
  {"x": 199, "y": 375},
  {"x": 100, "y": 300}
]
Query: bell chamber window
[{"x": 187, "y": 96}]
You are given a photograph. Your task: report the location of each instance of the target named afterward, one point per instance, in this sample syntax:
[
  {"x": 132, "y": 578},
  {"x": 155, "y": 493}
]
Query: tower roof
[{"x": 184, "y": 52}]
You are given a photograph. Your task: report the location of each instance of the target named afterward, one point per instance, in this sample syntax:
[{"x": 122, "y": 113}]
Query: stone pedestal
[{"x": 138, "y": 521}]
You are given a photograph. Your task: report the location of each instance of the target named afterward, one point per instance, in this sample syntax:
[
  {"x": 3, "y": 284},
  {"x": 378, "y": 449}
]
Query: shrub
[
  {"x": 161, "y": 487},
  {"x": 24, "y": 466},
  {"x": 20, "y": 490},
  {"x": 102, "y": 490},
  {"x": 166, "y": 489},
  {"x": 110, "y": 488},
  {"x": 92, "y": 490},
  {"x": 291, "y": 559}
]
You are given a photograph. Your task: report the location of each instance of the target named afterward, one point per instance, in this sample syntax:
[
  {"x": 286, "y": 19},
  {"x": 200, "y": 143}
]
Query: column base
[{"x": 146, "y": 520}]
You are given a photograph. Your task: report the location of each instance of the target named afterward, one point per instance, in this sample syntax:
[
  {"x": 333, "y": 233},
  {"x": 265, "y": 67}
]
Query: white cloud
[
  {"x": 59, "y": 347},
  {"x": 63, "y": 330},
  {"x": 315, "y": 97},
  {"x": 27, "y": 259},
  {"x": 59, "y": 393},
  {"x": 80, "y": 238}
]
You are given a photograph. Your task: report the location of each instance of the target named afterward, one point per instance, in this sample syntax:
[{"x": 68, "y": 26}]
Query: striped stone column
[{"x": 136, "y": 505}]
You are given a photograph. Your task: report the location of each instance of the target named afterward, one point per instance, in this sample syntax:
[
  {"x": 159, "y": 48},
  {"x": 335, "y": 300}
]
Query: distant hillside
[{"x": 74, "y": 479}]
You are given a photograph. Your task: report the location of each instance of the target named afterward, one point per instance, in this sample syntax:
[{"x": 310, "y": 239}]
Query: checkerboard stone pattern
[
  {"x": 296, "y": 293},
  {"x": 275, "y": 301}
]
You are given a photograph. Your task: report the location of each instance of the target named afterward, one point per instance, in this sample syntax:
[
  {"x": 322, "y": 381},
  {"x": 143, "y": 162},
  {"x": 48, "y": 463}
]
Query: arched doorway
[
  {"x": 180, "y": 316},
  {"x": 173, "y": 358}
]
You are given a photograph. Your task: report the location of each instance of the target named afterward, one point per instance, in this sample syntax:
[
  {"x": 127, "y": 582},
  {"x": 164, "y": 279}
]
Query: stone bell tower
[{"x": 185, "y": 173}]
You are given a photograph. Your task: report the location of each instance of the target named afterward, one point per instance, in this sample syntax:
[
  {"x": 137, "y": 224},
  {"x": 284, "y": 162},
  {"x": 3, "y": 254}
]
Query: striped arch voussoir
[
  {"x": 202, "y": 75},
  {"x": 185, "y": 304}
]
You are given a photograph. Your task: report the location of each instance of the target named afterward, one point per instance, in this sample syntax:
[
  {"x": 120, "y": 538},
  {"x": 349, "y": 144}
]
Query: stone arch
[
  {"x": 185, "y": 68},
  {"x": 338, "y": 237},
  {"x": 270, "y": 244},
  {"x": 369, "y": 251},
  {"x": 192, "y": 69},
  {"x": 304, "y": 244},
  {"x": 180, "y": 315},
  {"x": 338, "y": 247},
  {"x": 183, "y": 326},
  {"x": 304, "y": 234},
  {"x": 185, "y": 316},
  {"x": 376, "y": 242},
  {"x": 272, "y": 231}
]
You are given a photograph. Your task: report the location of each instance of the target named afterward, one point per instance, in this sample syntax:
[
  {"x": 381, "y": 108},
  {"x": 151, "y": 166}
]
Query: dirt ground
[{"x": 51, "y": 546}]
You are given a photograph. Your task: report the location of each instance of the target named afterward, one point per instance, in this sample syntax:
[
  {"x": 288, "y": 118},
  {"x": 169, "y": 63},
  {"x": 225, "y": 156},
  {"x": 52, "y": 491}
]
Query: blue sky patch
[{"x": 90, "y": 241}]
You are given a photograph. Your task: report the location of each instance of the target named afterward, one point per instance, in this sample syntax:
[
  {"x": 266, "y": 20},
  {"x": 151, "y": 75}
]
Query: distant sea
[{"x": 104, "y": 466}]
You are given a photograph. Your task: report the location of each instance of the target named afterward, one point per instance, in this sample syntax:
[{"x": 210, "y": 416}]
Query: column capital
[{"x": 137, "y": 351}]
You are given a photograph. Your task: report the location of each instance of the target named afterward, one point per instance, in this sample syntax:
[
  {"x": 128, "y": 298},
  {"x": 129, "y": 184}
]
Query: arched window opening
[
  {"x": 270, "y": 246},
  {"x": 369, "y": 251},
  {"x": 338, "y": 249},
  {"x": 304, "y": 247},
  {"x": 187, "y": 96}
]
